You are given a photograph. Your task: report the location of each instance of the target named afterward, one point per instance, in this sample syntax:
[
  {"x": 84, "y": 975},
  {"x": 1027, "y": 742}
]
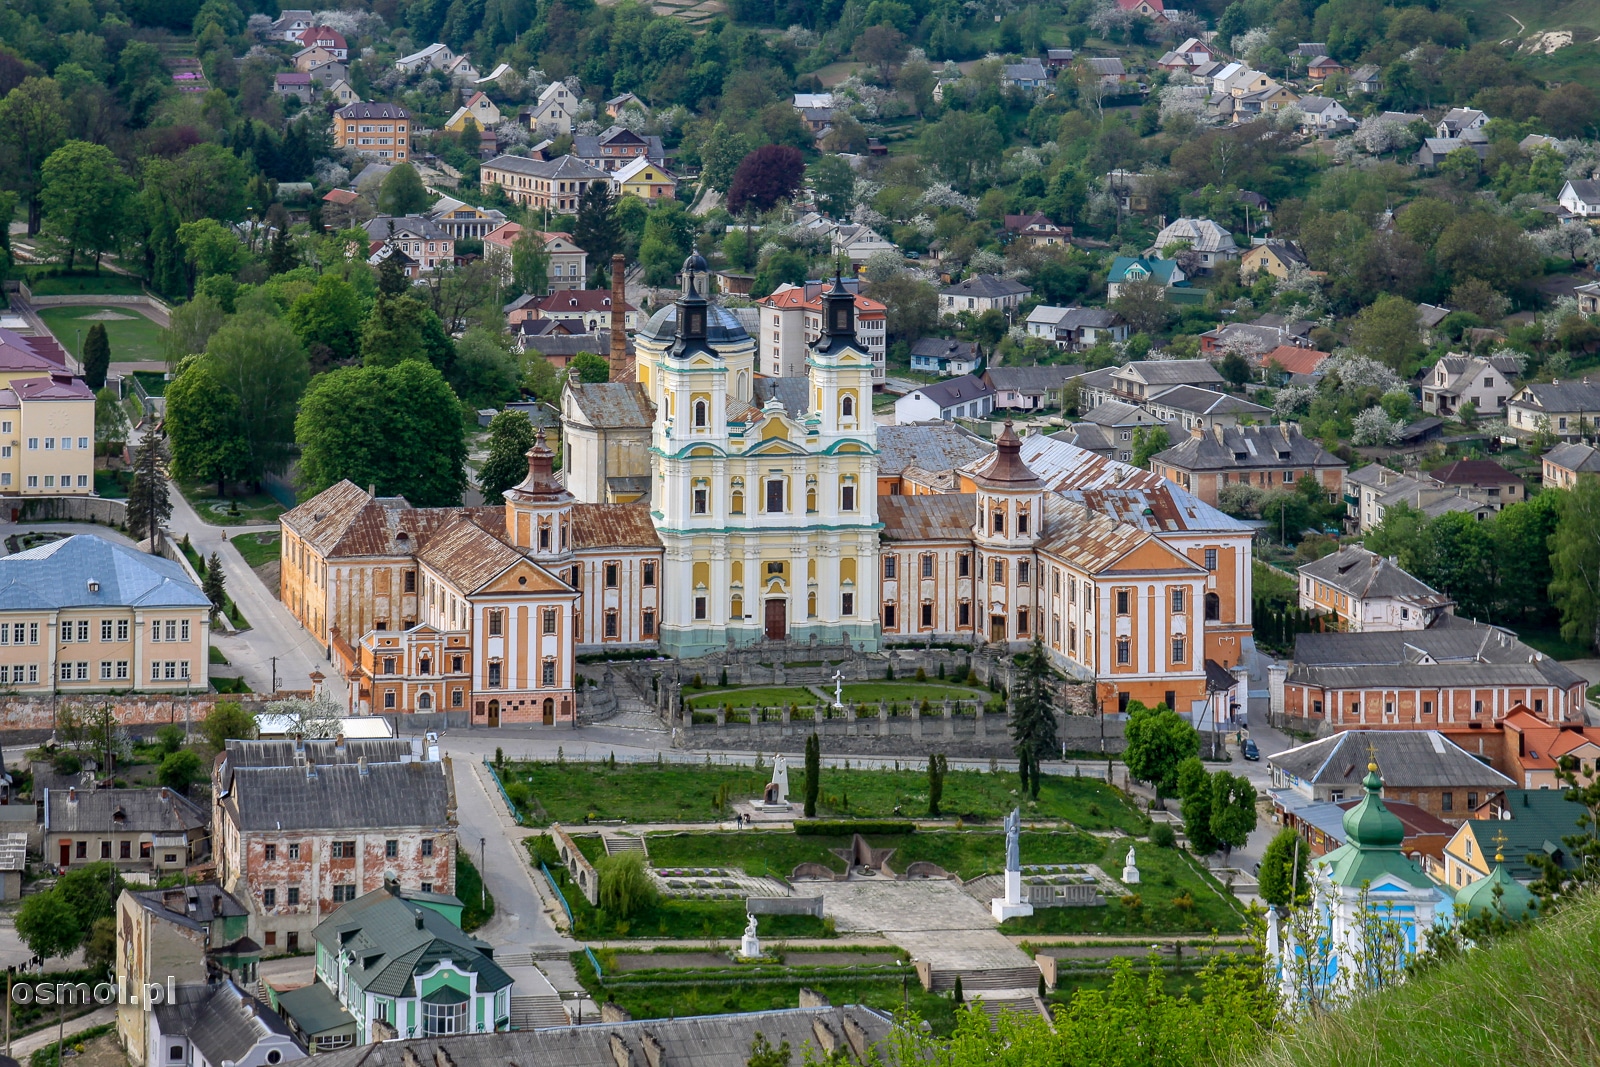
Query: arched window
[
  {"x": 424, "y": 702},
  {"x": 1213, "y": 607},
  {"x": 847, "y": 407},
  {"x": 699, "y": 414}
]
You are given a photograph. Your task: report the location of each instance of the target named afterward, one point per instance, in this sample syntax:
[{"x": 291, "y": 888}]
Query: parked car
[{"x": 1249, "y": 750}]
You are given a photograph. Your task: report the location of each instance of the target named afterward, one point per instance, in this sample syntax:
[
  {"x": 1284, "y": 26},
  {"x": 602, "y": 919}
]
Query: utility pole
[
  {"x": 274, "y": 674},
  {"x": 483, "y": 865}
]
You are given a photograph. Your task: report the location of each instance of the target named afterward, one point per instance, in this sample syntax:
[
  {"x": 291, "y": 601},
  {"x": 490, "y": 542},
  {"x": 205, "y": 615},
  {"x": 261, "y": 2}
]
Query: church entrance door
[
  {"x": 777, "y": 619},
  {"x": 494, "y": 713}
]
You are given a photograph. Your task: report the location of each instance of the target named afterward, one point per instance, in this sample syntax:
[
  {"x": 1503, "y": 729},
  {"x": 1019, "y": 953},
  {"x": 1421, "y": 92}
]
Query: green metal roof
[
  {"x": 1516, "y": 901},
  {"x": 315, "y": 1010},
  {"x": 1372, "y": 854},
  {"x": 390, "y": 939}
]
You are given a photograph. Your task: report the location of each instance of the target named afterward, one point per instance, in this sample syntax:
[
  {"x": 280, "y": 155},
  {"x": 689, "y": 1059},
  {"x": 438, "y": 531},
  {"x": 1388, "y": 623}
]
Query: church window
[
  {"x": 927, "y": 564},
  {"x": 998, "y": 570},
  {"x": 775, "y": 495},
  {"x": 547, "y": 620},
  {"x": 1022, "y": 620},
  {"x": 963, "y": 565},
  {"x": 811, "y": 605},
  {"x": 1124, "y": 652},
  {"x": 736, "y": 504},
  {"x": 1178, "y": 650},
  {"x": 1022, "y": 521},
  {"x": 888, "y": 617},
  {"x": 497, "y": 623},
  {"x": 1177, "y": 600},
  {"x": 699, "y": 501},
  {"x": 547, "y": 673},
  {"x": 1072, "y": 640},
  {"x": 847, "y": 407},
  {"x": 927, "y": 615},
  {"x": 964, "y": 613},
  {"x": 699, "y": 414},
  {"x": 648, "y": 625},
  {"x": 411, "y": 581},
  {"x": 999, "y": 522},
  {"x": 1122, "y": 602},
  {"x": 1213, "y": 607},
  {"x": 699, "y": 607},
  {"x": 611, "y": 622},
  {"x": 889, "y": 564},
  {"x": 847, "y": 498},
  {"x": 811, "y": 495},
  {"x": 847, "y": 604},
  {"x": 736, "y": 607},
  {"x": 1023, "y": 568},
  {"x": 611, "y": 575},
  {"x": 494, "y": 676},
  {"x": 649, "y": 572},
  {"x": 544, "y": 535}
]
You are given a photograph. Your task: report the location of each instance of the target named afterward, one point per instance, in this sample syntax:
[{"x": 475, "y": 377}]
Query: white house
[
  {"x": 1458, "y": 120},
  {"x": 1213, "y": 244},
  {"x": 1043, "y": 320},
  {"x": 553, "y": 111},
  {"x": 965, "y": 397},
  {"x": 435, "y": 57},
  {"x": 980, "y": 293},
  {"x": 1322, "y": 113},
  {"x": 1581, "y": 197},
  {"x": 1458, "y": 379}
]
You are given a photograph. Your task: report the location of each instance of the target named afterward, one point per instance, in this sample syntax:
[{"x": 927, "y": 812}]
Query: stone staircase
[
  {"x": 1015, "y": 1002},
  {"x": 529, "y": 1013},
  {"x": 619, "y": 843},
  {"x": 1007, "y": 979}
]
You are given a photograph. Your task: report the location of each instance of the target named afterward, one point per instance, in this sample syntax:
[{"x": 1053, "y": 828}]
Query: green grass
[
  {"x": 569, "y": 793},
  {"x": 132, "y": 338},
  {"x": 902, "y": 692},
  {"x": 58, "y": 282},
  {"x": 674, "y": 918},
  {"x": 1495, "y": 1005},
  {"x": 257, "y": 549},
  {"x": 469, "y": 890},
  {"x": 112, "y": 484},
  {"x": 1551, "y": 643},
  {"x": 967, "y": 853},
  {"x": 154, "y": 382},
  {"x": 253, "y": 509},
  {"x": 1270, "y": 583},
  {"x": 763, "y": 697},
  {"x": 230, "y": 685},
  {"x": 217, "y": 657},
  {"x": 1165, "y": 877}
]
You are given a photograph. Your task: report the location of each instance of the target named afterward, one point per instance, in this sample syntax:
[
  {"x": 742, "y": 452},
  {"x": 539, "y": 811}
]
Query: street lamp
[{"x": 483, "y": 865}]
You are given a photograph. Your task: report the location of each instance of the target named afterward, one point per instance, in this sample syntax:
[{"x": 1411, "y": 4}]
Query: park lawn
[
  {"x": 1165, "y": 876},
  {"x": 764, "y": 697},
  {"x": 113, "y": 485},
  {"x": 904, "y": 692},
  {"x": 671, "y": 917},
  {"x": 257, "y": 549},
  {"x": 255, "y": 509},
  {"x": 570, "y": 793},
  {"x": 132, "y": 338},
  {"x": 967, "y": 853}
]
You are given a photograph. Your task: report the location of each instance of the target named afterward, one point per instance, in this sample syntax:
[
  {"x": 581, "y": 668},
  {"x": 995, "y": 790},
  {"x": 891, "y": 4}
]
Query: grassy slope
[
  {"x": 1529, "y": 1000},
  {"x": 133, "y": 338}
]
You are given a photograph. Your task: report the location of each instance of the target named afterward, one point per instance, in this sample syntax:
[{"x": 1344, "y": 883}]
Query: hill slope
[{"x": 1531, "y": 1000}]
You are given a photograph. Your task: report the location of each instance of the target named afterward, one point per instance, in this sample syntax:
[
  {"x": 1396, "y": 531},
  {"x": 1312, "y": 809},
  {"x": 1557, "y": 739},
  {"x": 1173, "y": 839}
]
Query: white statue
[
  {"x": 838, "y": 689},
  {"x": 1130, "y": 869},
  {"x": 750, "y": 944},
  {"x": 1012, "y": 905},
  {"x": 780, "y": 778}
]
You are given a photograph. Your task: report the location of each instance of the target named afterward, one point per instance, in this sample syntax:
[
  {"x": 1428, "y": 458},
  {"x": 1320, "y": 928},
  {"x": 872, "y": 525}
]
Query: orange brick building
[{"x": 379, "y": 130}]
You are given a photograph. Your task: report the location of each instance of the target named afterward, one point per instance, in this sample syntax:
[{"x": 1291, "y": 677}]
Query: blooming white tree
[
  {"x": 803, "y": 39},
  {"x": 1251, "y": 41},
  {"x": 939, "y": 194},
  {"x": 353, "y": 23},
  {"x": 984, "y": 261},
  {"x": 1187, "y": 100},
  {"x": 1108, "y": 18},
  {"x": 1292, "y": 400},
  {"x": 1575, "y": 242},
  {"x": 1374, "y": 427},
  {"x": 1359, "y": 372},
  {"x": 327, "y": 172},
  {"x": 883, "y": 265},
  {"x": 315, "y": 718},
  {"x": 258, "y": 26},
  {"x": 1503, "y": 352}
]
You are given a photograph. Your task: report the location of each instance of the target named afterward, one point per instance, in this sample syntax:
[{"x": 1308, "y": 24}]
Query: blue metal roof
[{"x": 87, "y": 571}]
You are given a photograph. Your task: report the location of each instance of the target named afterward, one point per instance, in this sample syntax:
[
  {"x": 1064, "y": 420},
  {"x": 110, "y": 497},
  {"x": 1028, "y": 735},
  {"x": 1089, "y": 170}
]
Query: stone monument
[
  {"x": 1012, "y": 905},
  {"x": 776, "y": 796},
  {"x": 750, "y": 944},
  {"x": 1130, "y": 872},
  {"x": 838, "y": 690}
]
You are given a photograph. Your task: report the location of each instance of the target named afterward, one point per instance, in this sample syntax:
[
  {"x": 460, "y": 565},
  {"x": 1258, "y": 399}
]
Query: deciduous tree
[
  {"x": 204, "y": 426},
  {"x": 227, "y": 720},
  {"x": 1158, "y": 740},
  {"x": 530, "y": 264},
  {"x": 1195, "y": 798},
  {"x": 85, "y": 197},
  {"x": 770, "y": 174},
  {"x": 402, "y": 192},
  {"x": 1233, "y": 811},
  {"x": 511, "y": 434},
  {"x": 328, "y": 321},
  {"x": 1575, "y": 561},
  {"x": 259, "y": 360},
  {"x": 33, "y": 124},
  {"x": 181, "y": 770}
]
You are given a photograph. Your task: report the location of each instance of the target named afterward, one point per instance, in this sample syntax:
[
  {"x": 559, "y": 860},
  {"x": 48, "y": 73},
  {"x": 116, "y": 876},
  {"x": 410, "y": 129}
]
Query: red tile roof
[{"x": 1295, "y": 360}]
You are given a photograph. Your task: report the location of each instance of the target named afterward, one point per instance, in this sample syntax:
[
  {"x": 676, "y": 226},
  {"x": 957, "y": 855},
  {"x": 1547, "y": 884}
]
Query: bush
[
  {"x": 544, "y": 849},
  {"x": 625, "y": 886},
  {"x": 1162, "y": 836},
  {"x": 825, "y": 827}
]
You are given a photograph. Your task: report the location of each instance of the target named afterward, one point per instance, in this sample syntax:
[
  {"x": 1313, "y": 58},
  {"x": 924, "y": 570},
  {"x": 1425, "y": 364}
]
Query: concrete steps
[
  {"x": 1029, "y": 1005},
  {"x": 529, "y": 1013},
  {"x": 618, "y": 844},
  {"x": 1000, "y": 978}
]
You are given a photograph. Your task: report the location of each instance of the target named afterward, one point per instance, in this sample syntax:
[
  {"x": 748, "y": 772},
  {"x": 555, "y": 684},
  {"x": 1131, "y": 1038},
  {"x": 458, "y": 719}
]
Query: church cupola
[
  {"x": 539, "y": 510},
  {"x": 1010, "y": 496},
  {"x": 838, "y": 318},
  {"x": 693, "y": 307}
]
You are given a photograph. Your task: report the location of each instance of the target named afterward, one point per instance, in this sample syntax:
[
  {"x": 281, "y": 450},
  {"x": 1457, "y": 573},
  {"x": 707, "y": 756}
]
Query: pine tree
[
  {"x": 938, "y": 767},
  {"x": 96, "y": 356},
  {"x": 148, "y": 503},
  {"x": 214, "y": 585},
  {"x": 281, "y": 257},
  {"x": 1033, "y": 723},
  {"x": 813, "y": 774},
  {"x": 595, "y": 230},
  {"x": 960, "y": 998}
]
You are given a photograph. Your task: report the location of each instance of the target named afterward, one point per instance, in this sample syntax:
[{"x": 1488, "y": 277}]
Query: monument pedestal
[
  {"x": 1011, "y": 905},
  {"x": 750, "y": 947}
]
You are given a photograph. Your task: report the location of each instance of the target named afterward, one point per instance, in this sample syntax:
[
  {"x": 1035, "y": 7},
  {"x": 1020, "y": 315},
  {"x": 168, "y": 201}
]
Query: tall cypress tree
[
  {"x": 813, "y": 774},
  {"x": 96, "y": 357},
  {"x": 1033, "y": 722}
]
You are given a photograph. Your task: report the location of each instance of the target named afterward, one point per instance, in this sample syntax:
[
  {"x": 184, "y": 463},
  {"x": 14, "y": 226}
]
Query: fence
[
  {"x": 571, "y": 922},
  {"x": 515, "y": 814},
  {"x": 587, "y": 951}
]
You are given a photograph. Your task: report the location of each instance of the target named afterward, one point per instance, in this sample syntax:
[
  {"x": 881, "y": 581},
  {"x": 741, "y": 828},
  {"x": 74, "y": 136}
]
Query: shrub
[
  {"x": 1162, "y": 836},
  {"x": 853, "y": 826},
  {"x": 625, "y": 887},
  {"x": 922, "y": 675},
  {"x": 1183, "y": 902}
]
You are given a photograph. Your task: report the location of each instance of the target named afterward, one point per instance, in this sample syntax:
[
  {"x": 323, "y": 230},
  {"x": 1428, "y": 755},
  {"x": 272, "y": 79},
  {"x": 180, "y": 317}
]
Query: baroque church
[{"x": 704, "y": 505}]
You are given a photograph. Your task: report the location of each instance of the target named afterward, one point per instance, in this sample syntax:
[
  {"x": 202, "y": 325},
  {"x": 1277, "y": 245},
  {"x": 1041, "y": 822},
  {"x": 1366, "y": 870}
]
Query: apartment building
[
  {"x": 791, "y": 322},
  {"x": 382, "y": 131}
]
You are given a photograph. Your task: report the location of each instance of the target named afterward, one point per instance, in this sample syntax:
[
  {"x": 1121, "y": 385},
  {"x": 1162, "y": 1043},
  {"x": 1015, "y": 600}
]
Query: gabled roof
[
  {"x": 944, "y": 348},
  {"x": 1235, "y": 447},
  {"x": 1535, "y": 823},
  {"x": 189, "y": 906},
  {"x": 988, "y": 286},
  {"x": 1575, "y": 457},
  {"x": 1410, "y": 759},
  {"x": 1160, "y": 269},
  {"x": 468, "y": 556},
  {"x": 1032, "y": 380},
  {"x": 1170, "y": 372},
  {"x": 1198, "y": 401},
  {"x": 134, "y": 810},
  {"x": 322, "y": 752},
  {"x": 1203, "y": 235},
  {"x": 1115, "y": 413},
  {"x": 1296, "y": 360},
  {"x": 1560, "y": 397},
  {"x": 19, "y": 353},
  {"x": 613, "y": 526},
  {"x": 85, "y": 571},
  {"x": 343, "y": 520},
  {"x": 562, "y": 168},
  {"x": 934, "y": 446},
  {"x": 612, "y": 405},
  {"x": 955, "y": 391},
  {"x": 390, "y": 940},
  {"x": 1361, "y": 574},
  {"x": 1466, "y": 653},
  {"x": 1129, "y": 494},
  {"x": 1585, "y": 189},
  {"x": 1474, "y": 472},
  {"x": 928, "y": 516},
  {"x": 1105, "y": 66},
  {"x": 340, "y": 797},
  {"x": 1095, "y": 540},
  {"x": 373, "y": 110},
  {"x": 231, "y": 1023},
  {"x": 628, "y": 171}
]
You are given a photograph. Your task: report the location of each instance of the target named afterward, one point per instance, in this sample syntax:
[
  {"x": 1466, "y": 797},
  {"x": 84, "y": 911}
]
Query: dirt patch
[
  {"x": 103, "y": 1051},
  {"x": 106, "y": 316},
  {"x": 270, "y": 575}
]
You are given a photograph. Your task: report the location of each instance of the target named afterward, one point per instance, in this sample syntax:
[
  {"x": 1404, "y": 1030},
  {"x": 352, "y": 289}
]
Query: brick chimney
[{"x": 618, "y": 359}]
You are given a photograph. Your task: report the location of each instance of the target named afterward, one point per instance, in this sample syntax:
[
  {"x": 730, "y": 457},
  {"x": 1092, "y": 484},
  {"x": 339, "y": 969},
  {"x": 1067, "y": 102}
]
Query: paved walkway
[
  {"x": 23, "y": 1047},
  {"x": 933, "y": 920}
]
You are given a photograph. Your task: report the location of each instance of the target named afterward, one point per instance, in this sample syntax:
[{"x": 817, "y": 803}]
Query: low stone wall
[
  {"x": 19, "y": 715},
  {"x": 91, "y": 300},
  {"x": 899, "y": 735},
  {"x": 104, "y": 511},
  {"x": 584, "y": 876},
  {"x": 783, "y": 906}
]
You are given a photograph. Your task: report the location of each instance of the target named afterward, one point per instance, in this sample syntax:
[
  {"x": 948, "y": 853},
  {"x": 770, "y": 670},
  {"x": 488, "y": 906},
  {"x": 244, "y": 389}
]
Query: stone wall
[
  {"x": 104, "y": 511},
  {"x": 584, "y": 876},
  {"x": 877, "y": 733},
  {"x": 783, "y": 906},
  {"x": 20, "y": 714}
]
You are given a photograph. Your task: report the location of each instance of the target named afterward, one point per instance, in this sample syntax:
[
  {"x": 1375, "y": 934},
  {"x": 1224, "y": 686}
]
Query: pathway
[{"x": 23, "y": 1047}]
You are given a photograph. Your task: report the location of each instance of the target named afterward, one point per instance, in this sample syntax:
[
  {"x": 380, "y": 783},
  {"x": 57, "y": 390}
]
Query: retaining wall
[
  {"x": 583, "y": 873},
  {"x": 899, "y": 735},
  {"x": 783, "y": 906},
  {"x": 102, "y": 510},
  {"x": 153, "y": 710}
]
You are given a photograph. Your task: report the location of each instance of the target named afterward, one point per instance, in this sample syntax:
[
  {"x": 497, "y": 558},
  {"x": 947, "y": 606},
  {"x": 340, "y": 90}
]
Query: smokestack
[{"x": 619, "y": 319}]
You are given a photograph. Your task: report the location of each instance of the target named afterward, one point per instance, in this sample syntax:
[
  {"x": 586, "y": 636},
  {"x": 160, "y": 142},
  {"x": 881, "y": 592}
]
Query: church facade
[{"x": 704, "y": 505}]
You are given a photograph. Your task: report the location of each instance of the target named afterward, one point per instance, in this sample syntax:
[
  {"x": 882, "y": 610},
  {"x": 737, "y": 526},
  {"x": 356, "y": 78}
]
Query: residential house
[
  {"x": 290, "y": 24},
  {"x": 1435, "y": 149},
  {"x": 819, "y": 120},
  {"x": 424, "y": 240},
  {"x": 1424, "y": 767},
  {"x": 1458, "y": 120},
  {"x": 1323, "y": 67},
  {"x": 1323, "y": 113},
  {"x": 645, "y": 179},
  {"x": 216, "y": 1024},
  {"x": 1144, "y": 380},
  {"x": 1254, "y": 339},
  {"x": 316, "y": 56},
  {"x": 982, "y": 292},
  {"x": 1459, "y": 379},
  {"x": 381, "y": 131},
  {"x": 588, "y": 308},
  {"x": 1367, "y": 78},
  {"x": 1523, "y": 822},
  {"x": 293, "y": 83},
  {"x": 965, "y": 397},
  {"x": 1365, "y": 592},
  {"x": 1133, "y": 192},
  {"x": 556, "y": 342},
  {"x": 849, "y": 1034},
  {"x": 1244, "y": 81},
  {"x": 1458, "y": 676},
  {"x": 1267, "y": 457},
  {"x": 791, "y": 322},
  {"x": 1294, "y": 360},
  {"x": 1028, "y": 388},
  {"x": 398, "y": 964},
  {"x": 438, "y": 57},
  {"x": 617, "y": 147},
  {"x": 304, "y": 826},
  {"x": 1150, "y": 9},
  {"x": 480, "y": 109},
  {"x": 140, "y": 619},
  {"x": 857, "y": 243},
  {"x": 342, "y": 93},
  {"x": 1212, "y": 244},
  {"x": 1581, "y": 197},
  {"x": 1125, "y": 269},
  {"x": 1563, "y": 408},
  {"x": 622, "y": 102},
  {"x": 1187, "y": 56},
  {"x": 1187, "y": 407},
  {"x": 1429, "y": 316},
  {"x": 1247, "y": 105},
  {"x": 1222, "y": 78},
  {"x": 326, "y": 37},
  {"x": 552, "y": 113},
  {"x": 1535, "y": 141},
  {"x": 1563, "y": 463},
  {"x": 568, "y": 269},
  {"x": 1119, "y": 421},
  {"x": 555, "y": 185},
  {"x": 1058, "y": 59},
  {"x": 186, "y": 935},
  {"x": 1372, "y": 490},
  {"x": 1534, "y": 750},
  {"x": 1109, "y": 69},
  {"x": 1309, "y": 50},
  {"x": 1084, "y": 328},
  {"x": 944, "y": 355},
  {"x": 1092, "y": 438},
  {"x": 1036, "y": 229},
  {"x": 1482, "y": 480},
  {"x": 154, "y": 831},
  {"x": 1026, "y": 76},
  {"x": 1278, "y": 258},
  {"x": 1588, "y": 298},
  {"x": 803, "y": 101}
]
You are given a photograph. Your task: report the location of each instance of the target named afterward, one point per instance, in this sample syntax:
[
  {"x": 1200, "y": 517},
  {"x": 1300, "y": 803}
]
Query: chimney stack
[{"x": 619, "y": 319}]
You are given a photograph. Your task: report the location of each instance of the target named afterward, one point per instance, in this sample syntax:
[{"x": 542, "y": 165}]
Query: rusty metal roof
[
  {"x": 467, "y": 555},
  {"x": 928, "y": 517},
  {"x": 1004, "y": 469},
  {"x": 613, "y": 526},
  {"x": 613, "y": 405},
  {"x": 343, "y": 521},
  {"x": 1093, "y": 541}
]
